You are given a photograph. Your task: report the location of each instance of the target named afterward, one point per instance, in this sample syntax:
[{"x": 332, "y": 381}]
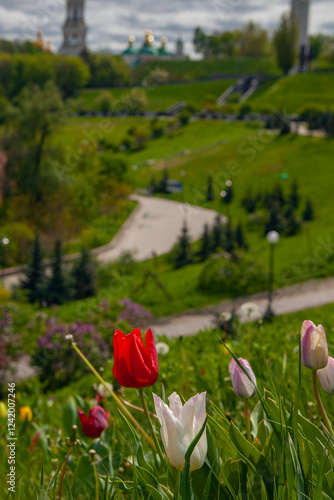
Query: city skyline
[{"x": 110, "y": 23}]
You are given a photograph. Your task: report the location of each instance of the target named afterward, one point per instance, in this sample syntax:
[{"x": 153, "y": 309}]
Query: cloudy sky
[{"x": 110, "y": 22}]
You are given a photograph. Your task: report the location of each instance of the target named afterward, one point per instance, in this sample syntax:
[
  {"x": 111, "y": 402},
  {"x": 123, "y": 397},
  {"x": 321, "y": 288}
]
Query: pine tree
[
  {"x": 249, "y": 202},
  {"x": 57, "y": 289},
  {"x": 84, "y": 276},
  {"x": 209, "y": 190},
  {"x": 308, "y": 213},
  {"x": 239, "y": 237},
  {"x": 183, "y": 253},
  {"x": 278, "y": 196},
  {"x": 294, "y": 195},
  {"x": 153, "y": 186},
  {"x": 34, "y": 279},
  {"x": 274, "y": 222},
  {"x": 163, "y": 184},
  {"x": 229, "y": 242},
  {"x": 217, "y": 233},
  {"x": 206, "y": 246},
  {"x": 292, "y": 224},
  {"x": 229, "y": 195}
]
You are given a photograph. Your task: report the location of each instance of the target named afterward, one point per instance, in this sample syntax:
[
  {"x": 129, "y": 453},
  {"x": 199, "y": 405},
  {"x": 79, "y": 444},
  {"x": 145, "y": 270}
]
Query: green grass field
[
  {"x": 293, "y": 92},
  {"x": 259, "y": 161},
  {"x": 209, "y": 68},
  {"x": 161, "y": 97}
]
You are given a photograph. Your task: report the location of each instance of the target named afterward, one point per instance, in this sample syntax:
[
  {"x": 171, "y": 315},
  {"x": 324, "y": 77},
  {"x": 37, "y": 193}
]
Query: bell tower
[{"x": 74, "y": 29}]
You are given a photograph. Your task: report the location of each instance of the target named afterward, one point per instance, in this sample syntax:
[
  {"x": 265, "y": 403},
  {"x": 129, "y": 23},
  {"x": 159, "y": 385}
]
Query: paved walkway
[
  {"x": 313, "y": 293},
  {"x": 152, "y": 229}
]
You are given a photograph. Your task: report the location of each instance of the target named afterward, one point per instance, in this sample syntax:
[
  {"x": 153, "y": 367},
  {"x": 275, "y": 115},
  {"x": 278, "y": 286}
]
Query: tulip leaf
[
  {"x": 235, "y": 476},
  {"x": 70, "y": 416},
  {"x": 149, "y": 482},
  {"x": 137, "y": 446},
  {"x": 246, "y": 449}
]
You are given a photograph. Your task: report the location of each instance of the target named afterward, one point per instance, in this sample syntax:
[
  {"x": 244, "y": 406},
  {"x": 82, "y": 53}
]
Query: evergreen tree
[
  {"x": 217, "y": 233},
  {"x": 308, "y": 213},
  {"x": 206, "y": 246},
  {"x": 274, "y": 222},
  {"x": 278, "y": 196},
  {"x": 183, "y": 252},
  {"x": 57, "y": 289},
  {"x": 294, "y": 195},
  {"x": 84, "y": 277},
  {"x": 229, "y": 242},
  {"x": 292, "y": 224},
  {"x": 163, "y": 184},
  {"x": 153, "y": 186},
  {"x": 240, "y": 238},
  {"x": 249, "y": 202},
  {"x": 229, "y": 195},
  {"x": 209, "y": 190},
  {"x": 34, "y": 278}
]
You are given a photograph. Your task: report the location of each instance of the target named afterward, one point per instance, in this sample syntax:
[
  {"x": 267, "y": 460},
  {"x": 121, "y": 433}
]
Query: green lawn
[
  {"x": 293, "y": 92},
  {"x": 196, "y": 135},
  {"x": 303, "y": 158},
  {"x": 161, "y": 97},
  {"x": 209, "y": 68},
  {"x": 258, "y": 164}
]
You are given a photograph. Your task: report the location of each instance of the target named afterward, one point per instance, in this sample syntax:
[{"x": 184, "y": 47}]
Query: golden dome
[
  {"x": 132, "y": 40},
  {"x": 48, "y": 47},
  {"x": 164, "y": 41},
  {"x": 149, "y": 38},
  {"x": 39, "y": 40}
]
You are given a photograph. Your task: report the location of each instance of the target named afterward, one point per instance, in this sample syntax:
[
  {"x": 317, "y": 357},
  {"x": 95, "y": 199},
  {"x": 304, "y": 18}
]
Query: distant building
[
  {"x": 300, "y": 10},
  {"x": 39, "y": 42},
  {"x": 74, "y": 29},
  {"x": 149, "y": 52}
]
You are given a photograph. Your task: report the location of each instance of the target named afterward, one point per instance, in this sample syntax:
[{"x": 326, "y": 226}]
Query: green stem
[
  {"x": 63, "y": 473},
  {"x": 177, "y": 485},
  {"x": 147, "y": 414},
  {"x": 319, "y": 402},
  {"x": 113, "y": 395},
  {"x": 96, "y": 483},
  {"x": 247, "y": 422}
]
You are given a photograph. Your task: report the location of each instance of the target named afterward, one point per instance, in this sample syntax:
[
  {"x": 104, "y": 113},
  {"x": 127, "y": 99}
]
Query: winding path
[
  {"x": 152, "y": 229},
  {"x": 312, "y": 293}
]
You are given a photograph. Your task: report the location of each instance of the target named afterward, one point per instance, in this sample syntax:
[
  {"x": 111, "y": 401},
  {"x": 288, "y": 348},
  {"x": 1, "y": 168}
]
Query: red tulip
[
  {"x": 135, "y": 365},
  {"x": 96, "y": 423}
]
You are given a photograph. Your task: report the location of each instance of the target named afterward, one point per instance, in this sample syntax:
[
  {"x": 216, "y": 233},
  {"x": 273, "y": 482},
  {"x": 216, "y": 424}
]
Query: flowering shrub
[
  {"x": 9, "y": 342},
  {"x": 54, "y": 357},
  {"x": 134, "y": 313}
]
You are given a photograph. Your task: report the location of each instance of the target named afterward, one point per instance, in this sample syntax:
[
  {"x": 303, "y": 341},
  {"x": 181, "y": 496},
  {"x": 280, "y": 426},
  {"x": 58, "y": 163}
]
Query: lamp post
[
  {"x": 273, "y": 238},
  {"x": 4, "y": 242}
]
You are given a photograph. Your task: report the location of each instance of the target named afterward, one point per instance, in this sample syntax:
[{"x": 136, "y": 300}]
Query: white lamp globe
[{"x": 273, "y": 237}]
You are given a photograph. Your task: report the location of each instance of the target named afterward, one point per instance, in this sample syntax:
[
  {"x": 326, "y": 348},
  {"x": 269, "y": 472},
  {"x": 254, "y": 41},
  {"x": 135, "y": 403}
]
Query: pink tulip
[
  {"x": 242, "y": 385},
  {"x": 326, "y": 376},
  {"x": 314, "y": 346}
]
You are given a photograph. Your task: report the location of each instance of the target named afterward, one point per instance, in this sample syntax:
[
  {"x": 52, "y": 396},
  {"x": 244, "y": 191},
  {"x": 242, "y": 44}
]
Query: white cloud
[{"x": 110, "y": 22}]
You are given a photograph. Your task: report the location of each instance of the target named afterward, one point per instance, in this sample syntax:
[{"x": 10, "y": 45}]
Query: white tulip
[{"x": 179, "y": 426}]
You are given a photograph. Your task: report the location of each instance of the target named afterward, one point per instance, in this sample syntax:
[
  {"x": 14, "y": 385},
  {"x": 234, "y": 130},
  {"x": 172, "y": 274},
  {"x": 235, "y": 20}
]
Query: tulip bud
[
  {"x": 242, "y": 385},
  {"x": 26, "y": 413},
  {"x": 314, "y": 346},
  {"x": 3, "y": 410},
  {"x": 96, "y": 423},
  {"x": 326, "y": 376},
  {"x": 179, "y": 426},
  {"x": 73, "y": 436}
]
